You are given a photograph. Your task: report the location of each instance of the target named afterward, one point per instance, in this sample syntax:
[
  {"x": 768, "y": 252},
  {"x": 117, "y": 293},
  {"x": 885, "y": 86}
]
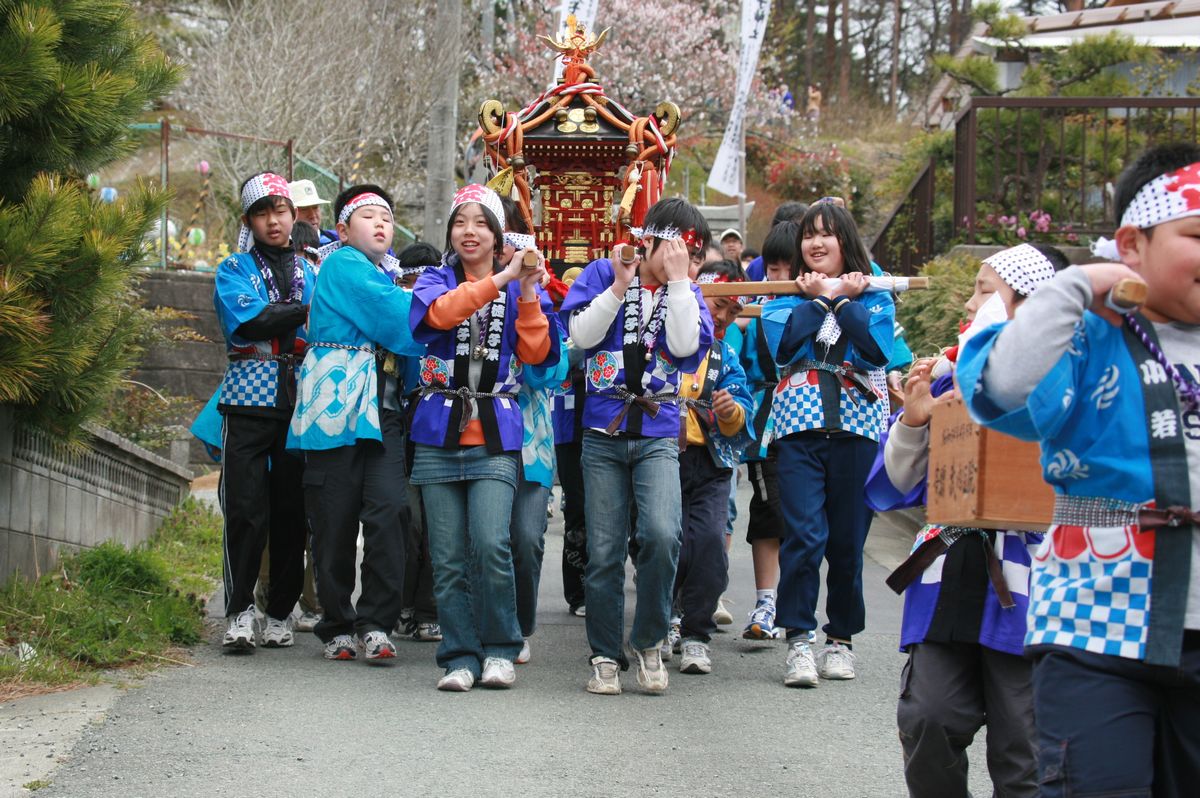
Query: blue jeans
[
  {"x": 468, "y": 502},
  {"x": 528, "y": 535},
  {"x": 616, "y": 472}
]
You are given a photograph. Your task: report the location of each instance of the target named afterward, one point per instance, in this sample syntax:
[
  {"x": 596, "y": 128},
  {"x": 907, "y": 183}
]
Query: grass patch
[{"x": 110, "y": 607}]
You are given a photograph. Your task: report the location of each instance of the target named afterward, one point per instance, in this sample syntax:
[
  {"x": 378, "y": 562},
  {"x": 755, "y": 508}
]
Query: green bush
[
  {"x": 109, "y": 606},
  {"x": 931, "y": 317}
]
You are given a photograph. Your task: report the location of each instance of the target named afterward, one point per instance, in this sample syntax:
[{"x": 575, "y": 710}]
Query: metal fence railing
[{"x": 1056, "y": 157}]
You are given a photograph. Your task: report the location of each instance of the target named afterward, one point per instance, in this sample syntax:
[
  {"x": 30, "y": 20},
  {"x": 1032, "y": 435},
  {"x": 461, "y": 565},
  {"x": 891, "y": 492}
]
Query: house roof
[{"x": 1172, "y": 24}]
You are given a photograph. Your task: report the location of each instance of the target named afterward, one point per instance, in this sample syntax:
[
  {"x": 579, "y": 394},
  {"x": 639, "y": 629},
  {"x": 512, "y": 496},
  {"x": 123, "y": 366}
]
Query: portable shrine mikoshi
[{"x": 584, "y": 169}]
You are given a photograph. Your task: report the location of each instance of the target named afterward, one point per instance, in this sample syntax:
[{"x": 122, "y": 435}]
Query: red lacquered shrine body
[{"x": 582, "y": 168}]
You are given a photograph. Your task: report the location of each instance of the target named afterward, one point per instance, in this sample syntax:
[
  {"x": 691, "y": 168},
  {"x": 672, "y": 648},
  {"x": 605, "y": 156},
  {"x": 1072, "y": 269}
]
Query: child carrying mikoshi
[
  {"x": 1114, "y": 606},
  {"x": 349, "y": 425},
  {"x": 713, "y": 432},
  {"x": 966, "y": 590},
  {"x": 261, "y": 296}
]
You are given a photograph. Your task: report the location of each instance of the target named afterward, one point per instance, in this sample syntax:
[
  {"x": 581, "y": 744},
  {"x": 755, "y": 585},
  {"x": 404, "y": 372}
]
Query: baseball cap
[
  {"x": 724, "y": 234},
  {"x": 304, "y": 194}
]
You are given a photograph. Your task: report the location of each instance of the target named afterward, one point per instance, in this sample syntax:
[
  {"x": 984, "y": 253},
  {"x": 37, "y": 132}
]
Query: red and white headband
[
  {"x": 1022, "y": 268},
  {"x": 268, "y": 184},
  {"x": 1174, "y": 195},
  {"x": 667, "y": 233},
  {"x": 362, "y": 201},
  {"x": 484, "y": 196}
]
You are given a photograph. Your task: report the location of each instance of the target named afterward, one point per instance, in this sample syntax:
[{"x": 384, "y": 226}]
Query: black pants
[
  {"x": 262, "y": 500},
  {"x": 766, "y": 509},
  {"x": 1110, "y": 726},
  {"x": 418, "y": 567},
  {"x": 703, "y": 571},
  {"x": 344, "y": 486},
  {"x": 948, "y": 692},
  {"x": 574, "y": 558}
]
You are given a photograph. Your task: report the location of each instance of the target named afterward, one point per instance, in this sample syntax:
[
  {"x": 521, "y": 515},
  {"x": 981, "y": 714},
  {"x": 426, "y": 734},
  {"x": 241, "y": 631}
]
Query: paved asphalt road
[{"x": 287, "y": 723}]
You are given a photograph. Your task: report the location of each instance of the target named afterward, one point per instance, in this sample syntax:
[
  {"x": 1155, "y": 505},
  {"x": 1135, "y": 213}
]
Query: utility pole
[
  {"x": 894, "y": 83},
  {"x": 443, "y": 127}
]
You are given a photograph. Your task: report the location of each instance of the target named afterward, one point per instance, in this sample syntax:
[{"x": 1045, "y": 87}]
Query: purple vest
[
  {"x": 447, "y": 359},
  {"x": 622, "y": 360}
]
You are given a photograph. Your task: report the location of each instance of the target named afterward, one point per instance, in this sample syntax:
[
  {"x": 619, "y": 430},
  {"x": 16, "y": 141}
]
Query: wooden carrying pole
[{"x": 789, "y": 287}]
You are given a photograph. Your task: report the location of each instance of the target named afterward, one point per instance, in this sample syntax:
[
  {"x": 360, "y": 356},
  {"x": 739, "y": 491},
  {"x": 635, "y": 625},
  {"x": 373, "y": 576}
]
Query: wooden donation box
[{"x": 982, "y": 478}]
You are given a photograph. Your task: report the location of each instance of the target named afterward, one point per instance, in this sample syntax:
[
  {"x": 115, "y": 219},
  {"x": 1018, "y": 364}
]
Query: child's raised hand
[
  {"x": 1103, "y": 277},
  {"x": 723, "y": 405},
  {"x": 675, "y": 259},
  {"x": 812, "y": 284},
  {"x": 918, "y": 400},
  {"x": 853, "y": 284}
]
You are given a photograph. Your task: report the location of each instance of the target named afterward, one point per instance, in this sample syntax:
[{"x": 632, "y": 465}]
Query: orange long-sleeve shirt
[{"x": 533, "y": 328}]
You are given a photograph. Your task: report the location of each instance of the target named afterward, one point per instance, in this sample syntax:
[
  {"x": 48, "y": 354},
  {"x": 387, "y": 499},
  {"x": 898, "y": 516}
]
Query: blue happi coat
[
  {"x": 255, "y": 377},
  {"x": 604, "y": 365},
  {"x": 447, "y": 360},
  {"x": 1090, "y": 586},
  {"x": 798, "y": 404},
  {"x": 728, "y": 376},
  {"x": 357, "y": 308}
]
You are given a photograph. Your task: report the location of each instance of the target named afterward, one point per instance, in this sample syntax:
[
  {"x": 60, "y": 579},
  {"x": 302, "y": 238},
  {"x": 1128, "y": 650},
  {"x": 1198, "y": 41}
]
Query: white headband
[
  {"x": 1174, "y": 195},
  {"x": 362, "y": 201},
  {"x": 1022, "y": 268},
  {"x": 268, "y": 184},
  {"x": 520, "y": 241}
]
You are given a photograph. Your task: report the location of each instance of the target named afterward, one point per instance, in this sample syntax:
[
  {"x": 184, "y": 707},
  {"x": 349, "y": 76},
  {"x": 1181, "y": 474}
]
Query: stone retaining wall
[{"x": 52, "y": 503}]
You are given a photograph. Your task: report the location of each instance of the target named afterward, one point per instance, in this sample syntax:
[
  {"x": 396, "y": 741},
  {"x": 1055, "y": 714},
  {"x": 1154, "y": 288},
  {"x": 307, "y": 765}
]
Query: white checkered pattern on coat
[
  {"x": 798, "y": 408},
  {"x": 250, "y": 383},
  {"x": 1095, "y": 606}
]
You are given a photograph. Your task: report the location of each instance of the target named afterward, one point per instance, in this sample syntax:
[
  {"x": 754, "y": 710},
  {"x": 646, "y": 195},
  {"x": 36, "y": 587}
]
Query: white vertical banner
[
  {"x": 585, "y": 15},
  {"x": 725, "y": 170}
]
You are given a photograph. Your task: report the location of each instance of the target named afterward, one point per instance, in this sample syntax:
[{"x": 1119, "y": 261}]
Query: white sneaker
[
  {"x": 277, "y": 633},
  {"x": 606, "y": 677},
  {"x": 722, "y": 616},
  {"x": 240, "y": 634},
  {"x": 801, "y": 667},
  {"x": 498, "y": 673},
  {"x": 651, "y": 673},
  {"x": 457, "y": 681},
  {"x": 671, "y": 644},
  {"x": 341, "y": 648},
  {"x": 306, "y": 622},
  {"x": 835, "y": 661},
  {"x": 377, "y": 647},
  {"x": 525, "y": 654},
  {"x": 695, "y": 658}
]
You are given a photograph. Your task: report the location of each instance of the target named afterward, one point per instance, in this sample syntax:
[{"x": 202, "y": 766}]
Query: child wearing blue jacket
[{"x": 829, "y": 409}]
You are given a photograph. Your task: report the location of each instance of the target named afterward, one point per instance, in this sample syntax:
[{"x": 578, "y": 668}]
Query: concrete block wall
[{"x": 53, "y": 503}]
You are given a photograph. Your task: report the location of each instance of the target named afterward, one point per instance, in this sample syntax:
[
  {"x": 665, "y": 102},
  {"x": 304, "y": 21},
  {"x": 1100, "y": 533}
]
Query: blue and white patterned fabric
[
  {"x": 1089, "y": 585},
  {"x": 356, "y": 307},
  {"x": 797, "y": 402},
  {"x": 239, "y": 295},
  {"x": 605, "y": 364},
  {"x": 536, "y": 400},
  {"x": 1000, "y": 629}
]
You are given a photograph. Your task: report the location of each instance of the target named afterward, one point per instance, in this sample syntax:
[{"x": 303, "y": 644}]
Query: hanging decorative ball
[
  {"x": 108, "y": 194},
  {"x": 93, "y": 181},
  {"x": 632, "y": 149},
  {"x": 202, "y": 167},
  {"x": 196, "y": 237},
  {"x": 517, "y": 161}
]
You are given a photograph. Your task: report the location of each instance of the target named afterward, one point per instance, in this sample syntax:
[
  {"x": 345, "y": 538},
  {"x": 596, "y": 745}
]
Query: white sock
[{"x": 767, "y": 594}]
